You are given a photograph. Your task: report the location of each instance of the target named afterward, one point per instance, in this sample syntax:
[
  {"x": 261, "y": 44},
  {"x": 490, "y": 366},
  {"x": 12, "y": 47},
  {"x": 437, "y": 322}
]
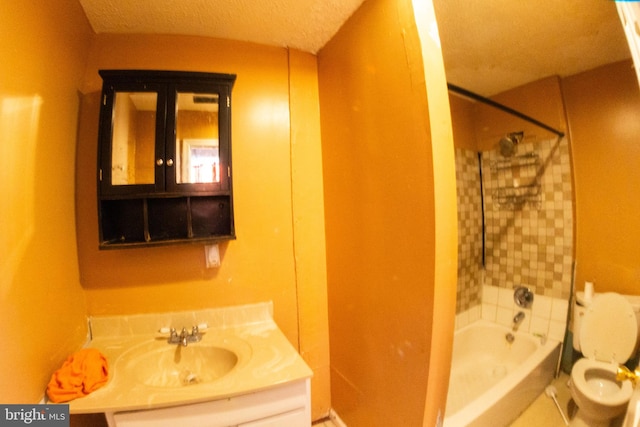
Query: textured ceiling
[
  {"x": 488, "y": 46},
  {"x": 494, "y": 45},
  {"x": 302, "y": 24}
]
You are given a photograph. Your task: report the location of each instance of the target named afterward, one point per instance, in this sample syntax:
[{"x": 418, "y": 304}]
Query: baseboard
[{"x": 336, "y": 419}]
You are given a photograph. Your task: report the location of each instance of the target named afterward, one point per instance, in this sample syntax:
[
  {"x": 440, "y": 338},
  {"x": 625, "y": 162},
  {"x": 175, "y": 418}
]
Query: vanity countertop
[{"x": 266, "y": 359}]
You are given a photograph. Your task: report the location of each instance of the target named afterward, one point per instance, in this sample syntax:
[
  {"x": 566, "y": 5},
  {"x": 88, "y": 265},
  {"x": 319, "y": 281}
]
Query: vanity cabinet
[
  {"x": 164, "y": 167},
  {"x": 285, "y": 405}
]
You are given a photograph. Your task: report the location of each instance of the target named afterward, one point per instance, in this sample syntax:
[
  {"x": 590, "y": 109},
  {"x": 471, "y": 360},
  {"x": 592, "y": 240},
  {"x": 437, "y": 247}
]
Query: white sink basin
[{"x": 159, "y": 364}]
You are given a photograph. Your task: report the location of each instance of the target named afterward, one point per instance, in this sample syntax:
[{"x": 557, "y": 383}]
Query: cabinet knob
[
  {"x": 169, "y": 162},
  {"x": 159, "y": 162}
]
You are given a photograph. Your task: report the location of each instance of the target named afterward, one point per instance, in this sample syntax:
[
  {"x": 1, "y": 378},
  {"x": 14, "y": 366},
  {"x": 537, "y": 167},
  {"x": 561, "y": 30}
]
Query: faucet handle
[
  {"x": 523, "y": 297},
  {"x": 167, "y": 331},
  {"x": 199, "y": 328}
]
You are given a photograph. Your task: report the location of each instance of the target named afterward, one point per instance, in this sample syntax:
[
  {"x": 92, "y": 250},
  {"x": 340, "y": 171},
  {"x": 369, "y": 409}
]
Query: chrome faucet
[
  {"x": 185, "y": 337},
  {"x": 517, "y": 319}
]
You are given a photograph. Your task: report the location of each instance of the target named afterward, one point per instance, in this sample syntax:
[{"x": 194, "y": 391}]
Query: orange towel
[{"x": 83, "y": 372}]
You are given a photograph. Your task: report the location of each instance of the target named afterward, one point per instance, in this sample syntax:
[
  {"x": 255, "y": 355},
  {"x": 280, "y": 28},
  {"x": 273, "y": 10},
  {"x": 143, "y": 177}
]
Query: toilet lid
[{"x": 609, "y": 329}]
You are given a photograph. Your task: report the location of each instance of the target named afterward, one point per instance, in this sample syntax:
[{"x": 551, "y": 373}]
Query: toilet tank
[{"x": 580, "y": 306}]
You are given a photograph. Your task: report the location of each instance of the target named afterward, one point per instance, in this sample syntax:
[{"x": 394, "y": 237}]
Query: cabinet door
[
  {"x": 296, "y": 418},
  {"x": 132, "y": 146},
  {"x": 198, "y": 148}
]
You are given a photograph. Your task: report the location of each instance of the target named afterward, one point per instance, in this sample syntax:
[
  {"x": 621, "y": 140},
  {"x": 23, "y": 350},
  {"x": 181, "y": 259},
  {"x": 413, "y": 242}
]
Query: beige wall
[
  {"x": 603, "y": 108},
  {"x": 42, "y": 307},
  {"x": 379, "y": 117}
]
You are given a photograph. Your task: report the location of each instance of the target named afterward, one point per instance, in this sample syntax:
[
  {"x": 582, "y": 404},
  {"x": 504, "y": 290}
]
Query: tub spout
[{"x": 517, "y": 319}]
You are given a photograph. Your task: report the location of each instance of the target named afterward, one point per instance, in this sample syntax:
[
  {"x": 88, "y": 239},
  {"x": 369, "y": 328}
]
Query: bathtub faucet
[{"x": 517, "y": 319}]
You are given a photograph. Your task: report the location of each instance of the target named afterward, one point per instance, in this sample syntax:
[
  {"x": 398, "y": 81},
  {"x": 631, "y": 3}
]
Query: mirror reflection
[
  {"x": 197, "y": 155},
  {"x": 133, "y": 138}
]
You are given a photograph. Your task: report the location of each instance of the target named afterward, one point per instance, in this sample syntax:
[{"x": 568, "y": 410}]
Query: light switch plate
[{"x": 212, "y": 256}]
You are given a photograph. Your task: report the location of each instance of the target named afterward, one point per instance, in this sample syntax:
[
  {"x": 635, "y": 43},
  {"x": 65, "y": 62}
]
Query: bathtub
[{"x": 492, "y": 381}]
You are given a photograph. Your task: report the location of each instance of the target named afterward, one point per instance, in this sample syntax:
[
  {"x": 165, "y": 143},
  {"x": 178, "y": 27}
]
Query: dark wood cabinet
[{"x": 164, "y": 166}]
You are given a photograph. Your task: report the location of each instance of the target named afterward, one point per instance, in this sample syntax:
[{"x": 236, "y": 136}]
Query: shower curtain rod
[{"x": 475, "y": 96}]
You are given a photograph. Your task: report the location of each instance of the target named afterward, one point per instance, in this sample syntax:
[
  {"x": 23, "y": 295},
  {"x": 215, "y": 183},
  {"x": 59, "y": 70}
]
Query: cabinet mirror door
[
  {"x": 132, "y": 153},
  {"x": 133, "y": 138},
  {"x": 197, "y": 138},
  {"x": 198, "y": 134}
]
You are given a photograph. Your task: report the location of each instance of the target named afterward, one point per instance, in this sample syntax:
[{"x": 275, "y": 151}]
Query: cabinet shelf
[{"x": 162, "y": 221}]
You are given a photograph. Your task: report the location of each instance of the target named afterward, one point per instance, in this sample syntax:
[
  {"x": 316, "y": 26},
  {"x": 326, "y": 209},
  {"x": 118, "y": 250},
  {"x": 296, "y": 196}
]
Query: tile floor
[
  {"x": 324, "y": 423},
  {"x": 542, "y": 412},
  {"x": 329, "y": 422}
]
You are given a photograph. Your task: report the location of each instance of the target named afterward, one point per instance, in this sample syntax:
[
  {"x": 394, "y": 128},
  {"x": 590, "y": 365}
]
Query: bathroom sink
[{"x": 159, "y": 364}]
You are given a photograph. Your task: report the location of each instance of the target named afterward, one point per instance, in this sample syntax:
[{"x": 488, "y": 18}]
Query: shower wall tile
[
  {"x": 540, "y": 325},
  {"x": 547, "y": 315},
  {"x": 559, "y": 312},
  {"x": 489, "y": 312},
  {"x": 505, "y": 297},
  {"x": 469, "y": 230},
  {"x": 530, "y": 244},
  {"x": 469, "y": 316},
  {"x": 542, "y": 306},
  {"x": 490, "y": 294},
  {"x": 557, "y": 329}
]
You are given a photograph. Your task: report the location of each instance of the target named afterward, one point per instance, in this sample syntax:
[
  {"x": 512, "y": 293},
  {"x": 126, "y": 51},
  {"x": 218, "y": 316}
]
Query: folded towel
[{"x": 82, "y": 373}]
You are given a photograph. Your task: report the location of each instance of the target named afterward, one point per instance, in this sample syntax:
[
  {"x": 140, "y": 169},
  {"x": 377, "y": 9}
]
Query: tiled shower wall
[
  {"x": 469, "y": 289},
  {"x": 528, "y": 244}
]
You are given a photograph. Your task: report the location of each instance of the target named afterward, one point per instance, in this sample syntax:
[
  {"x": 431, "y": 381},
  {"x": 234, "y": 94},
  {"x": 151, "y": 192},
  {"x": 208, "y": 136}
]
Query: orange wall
[
  {"x": 42, "y": 308},
  {"x": 279, "y": 224},
  {"x": 308, "y": 224},
  {"x": 603, "y": 108},
  {"x": 445, "y": 212},
  {"x": 540, "y": 100},
  {"x": 462, "y": 117},
  {"x": 479, "y": 126},
  {"x": 381, "y": 218}
]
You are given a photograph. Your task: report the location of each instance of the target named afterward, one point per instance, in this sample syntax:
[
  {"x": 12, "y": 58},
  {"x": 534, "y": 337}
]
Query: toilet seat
[
  {"x": 585, "y": 371},
  {"x": 609, "y": 329}
]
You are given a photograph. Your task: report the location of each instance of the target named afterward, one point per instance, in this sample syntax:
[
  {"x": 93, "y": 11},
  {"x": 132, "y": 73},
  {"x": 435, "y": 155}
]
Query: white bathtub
[{"x": 492, "y": 381}]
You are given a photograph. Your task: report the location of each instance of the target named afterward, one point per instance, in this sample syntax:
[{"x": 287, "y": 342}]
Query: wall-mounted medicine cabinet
[{"x": 164, "y": 158}]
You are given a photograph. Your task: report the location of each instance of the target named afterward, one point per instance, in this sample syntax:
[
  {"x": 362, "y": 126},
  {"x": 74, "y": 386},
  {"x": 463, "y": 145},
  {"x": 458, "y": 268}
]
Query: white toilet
[{"x": 607, "y": 335}]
